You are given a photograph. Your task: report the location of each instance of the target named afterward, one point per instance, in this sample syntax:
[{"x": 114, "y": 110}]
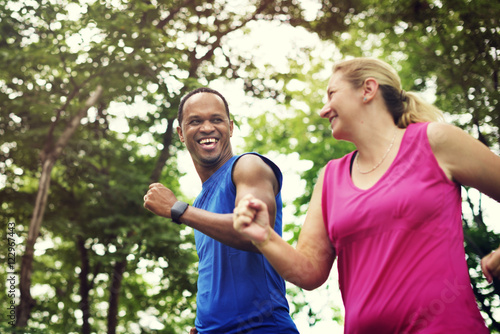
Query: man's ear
[
  {"x": 231, "y": 127},
  {"x": 179, "y": 132},
  {"x": 370, "y": 88}
]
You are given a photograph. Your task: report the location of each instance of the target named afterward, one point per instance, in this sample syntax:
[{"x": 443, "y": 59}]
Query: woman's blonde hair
[{"x": 405, "y": 107}]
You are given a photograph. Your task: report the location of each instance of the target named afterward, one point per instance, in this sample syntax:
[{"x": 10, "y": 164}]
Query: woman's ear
[{"x": 370, "y": 88}]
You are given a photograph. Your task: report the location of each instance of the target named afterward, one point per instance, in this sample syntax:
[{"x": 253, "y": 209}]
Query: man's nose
[{"x": 207, "y": 126}]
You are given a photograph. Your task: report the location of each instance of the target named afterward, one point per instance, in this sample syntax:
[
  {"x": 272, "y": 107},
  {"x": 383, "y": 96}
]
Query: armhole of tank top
[{"x": 233, "y": 186}]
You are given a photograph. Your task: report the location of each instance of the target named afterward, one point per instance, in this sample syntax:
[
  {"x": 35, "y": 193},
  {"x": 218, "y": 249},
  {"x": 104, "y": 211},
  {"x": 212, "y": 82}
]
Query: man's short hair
[{"x": 196, "y": 91}]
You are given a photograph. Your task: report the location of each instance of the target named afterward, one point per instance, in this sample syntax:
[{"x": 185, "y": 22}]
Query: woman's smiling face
[{"x": 342, "y": 105}]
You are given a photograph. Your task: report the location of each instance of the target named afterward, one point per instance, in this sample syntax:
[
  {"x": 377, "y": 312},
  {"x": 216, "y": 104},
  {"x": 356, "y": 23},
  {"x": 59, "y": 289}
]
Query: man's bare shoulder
[
  {"x": 251, "y": 163},
  {"x": 251, "y": 168}
]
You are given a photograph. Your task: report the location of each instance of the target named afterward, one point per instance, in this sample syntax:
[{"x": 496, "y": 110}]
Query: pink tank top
[{"x": 401, "y": 257}]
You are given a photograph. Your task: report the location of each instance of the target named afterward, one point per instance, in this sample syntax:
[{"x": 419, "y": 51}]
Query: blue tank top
[{"x": 238, "y": 291}]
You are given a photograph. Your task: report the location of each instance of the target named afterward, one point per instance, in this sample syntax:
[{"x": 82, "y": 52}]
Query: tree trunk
[
  {"x": 84, "y": 285},
  {"x": 165, "y": 153},
  {"x": 114, "y": 295},
  {"x": 48, "y": 157},
  {"x": 27, "y": 302}
]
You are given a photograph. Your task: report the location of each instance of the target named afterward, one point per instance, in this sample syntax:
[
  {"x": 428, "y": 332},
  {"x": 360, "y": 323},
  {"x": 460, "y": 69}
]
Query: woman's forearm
[{"x": 298, "y": 266}]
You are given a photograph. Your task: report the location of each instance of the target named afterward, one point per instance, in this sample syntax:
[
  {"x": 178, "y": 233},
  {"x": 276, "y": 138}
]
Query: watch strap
[{"x": 177, "y": 210}]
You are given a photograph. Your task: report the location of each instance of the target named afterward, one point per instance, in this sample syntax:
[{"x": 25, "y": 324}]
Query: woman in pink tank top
[{"x": 389, "y": 211}]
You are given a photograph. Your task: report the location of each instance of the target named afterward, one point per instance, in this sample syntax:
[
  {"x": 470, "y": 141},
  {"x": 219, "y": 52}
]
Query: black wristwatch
[{"x": 177, "y": 210}]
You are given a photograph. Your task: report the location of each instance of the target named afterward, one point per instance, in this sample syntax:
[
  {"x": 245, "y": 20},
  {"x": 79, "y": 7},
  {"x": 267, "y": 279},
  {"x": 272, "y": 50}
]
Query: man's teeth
[{"x": 208, "y": 141}]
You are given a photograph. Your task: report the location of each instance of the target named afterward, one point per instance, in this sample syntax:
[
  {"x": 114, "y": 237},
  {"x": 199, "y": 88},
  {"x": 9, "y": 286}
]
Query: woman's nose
[{"x": 325, "y": 111}]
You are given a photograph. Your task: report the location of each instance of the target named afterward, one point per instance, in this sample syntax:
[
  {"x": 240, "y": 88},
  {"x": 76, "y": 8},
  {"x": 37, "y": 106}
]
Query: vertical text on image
[{"x": 11, "y": 276}]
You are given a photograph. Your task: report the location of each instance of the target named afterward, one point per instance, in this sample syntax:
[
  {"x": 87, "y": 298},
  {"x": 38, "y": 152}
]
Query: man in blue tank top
[{"x": 238, "y": 290}]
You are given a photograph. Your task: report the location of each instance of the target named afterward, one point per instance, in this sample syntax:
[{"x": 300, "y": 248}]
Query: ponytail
[{"x": 416, "y": 110}]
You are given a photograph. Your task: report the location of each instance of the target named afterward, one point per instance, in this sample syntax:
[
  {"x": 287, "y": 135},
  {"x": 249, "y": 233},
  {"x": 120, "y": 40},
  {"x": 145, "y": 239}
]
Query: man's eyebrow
[
  {"x": 215, "y": 114},
  {"x": 221, "y": 114}
]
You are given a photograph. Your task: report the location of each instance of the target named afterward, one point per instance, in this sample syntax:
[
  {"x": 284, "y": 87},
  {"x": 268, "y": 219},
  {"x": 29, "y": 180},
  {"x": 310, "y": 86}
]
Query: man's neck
[{"x": 206, "y": 171}]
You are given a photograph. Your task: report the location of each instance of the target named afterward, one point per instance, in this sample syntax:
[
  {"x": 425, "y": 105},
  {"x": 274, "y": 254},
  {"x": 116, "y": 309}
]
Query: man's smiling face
[{"x": 206, "y": 130}]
